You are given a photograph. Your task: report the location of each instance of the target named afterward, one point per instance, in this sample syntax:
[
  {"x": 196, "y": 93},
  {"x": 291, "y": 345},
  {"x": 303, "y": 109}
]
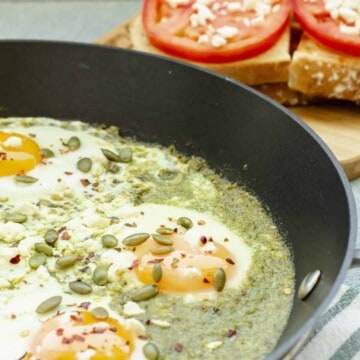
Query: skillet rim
[{"x": 303, "y": 331}]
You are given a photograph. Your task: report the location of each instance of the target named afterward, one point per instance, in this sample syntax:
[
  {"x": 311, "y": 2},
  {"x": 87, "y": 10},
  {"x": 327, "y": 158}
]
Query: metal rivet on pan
[{"x": 308, "y": 284}]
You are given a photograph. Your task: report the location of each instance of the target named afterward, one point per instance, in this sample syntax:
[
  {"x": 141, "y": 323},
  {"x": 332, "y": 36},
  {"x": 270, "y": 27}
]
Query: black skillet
[{"x": 288, "y": 166}]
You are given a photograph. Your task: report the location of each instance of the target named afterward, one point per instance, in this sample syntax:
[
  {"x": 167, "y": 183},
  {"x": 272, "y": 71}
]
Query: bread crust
[
  {"x": 271, "y": 66},
  {"x": 318, "y": 71}
]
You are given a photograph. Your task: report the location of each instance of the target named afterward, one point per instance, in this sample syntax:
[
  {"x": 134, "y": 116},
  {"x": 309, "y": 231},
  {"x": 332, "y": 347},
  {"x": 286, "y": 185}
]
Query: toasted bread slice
[
  {"x": 271, "y": 66},
  {"x": 316, "y": 70},
  {"x": 279, "y": 91}
]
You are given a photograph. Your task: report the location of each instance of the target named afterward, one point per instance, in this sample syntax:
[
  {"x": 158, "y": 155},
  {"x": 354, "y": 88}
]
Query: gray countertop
[{"x": 85, "y": 21}]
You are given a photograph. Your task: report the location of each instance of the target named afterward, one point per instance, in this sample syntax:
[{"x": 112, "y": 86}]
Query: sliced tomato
[
  {"x": 317, "y": 21},
  {"x": 178, "y": 27}
]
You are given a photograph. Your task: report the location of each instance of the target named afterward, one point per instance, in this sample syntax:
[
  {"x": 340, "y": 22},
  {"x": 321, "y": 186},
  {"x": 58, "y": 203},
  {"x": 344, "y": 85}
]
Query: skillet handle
[{"x": 356, "y": 259}]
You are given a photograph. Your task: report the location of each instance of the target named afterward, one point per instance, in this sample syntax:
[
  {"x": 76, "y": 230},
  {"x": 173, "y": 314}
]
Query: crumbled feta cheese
[
  {"x": 132, "y": 308},
  {"x": 218, "y": 41},
  {"x": 136, "y": 327},
  {"x": 86, "y": 355},
  {"x": 13, "y": 142},
  {"x": 11, "y": 232},
  {"x": 175, "y": 3},
  {"x": 349, "y": 30},
  {"x": 348, "y": 14},
  {"x": 203, "y": 13},
  {"x": 191, "y": 271},
  {"x": 95, "y": 221},
  {"x": 203, "y": 39},
  {"x": 42, "y": 273},
  {"x": 213, "y": 345},
  {"x": 27, "y": 209},
  {"x": 257, "y": 20},
  {"x": 234, "y": 6},
  {"x": 227, "y": 32},
  {"x": 160, "y": 323}
]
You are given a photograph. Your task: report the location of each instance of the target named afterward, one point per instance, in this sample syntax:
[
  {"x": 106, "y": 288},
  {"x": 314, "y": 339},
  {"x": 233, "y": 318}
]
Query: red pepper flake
[
  {"x": 134, "y": 264},
  {"x": 91, "y": 254},
  {"x": 96, "y": 330},
  {"x": 65, "y": 236},
  {"x": 76, "y": 318},
  {"x": 231, "y": 333},
  {"x": 113, "y": 329},
  {"x": 66, "y": 340},
  {"x": 15, "y": 260},
  {"x": 77, "y": 337},
  {"x": 178, "y": 347},
  {"x": 230, "y": 261},
  {"x": 3, "y": 156},
  {"x": 155, "y": 261},
  {"x": 148, "y": 322},
  {"x": 118, "y": 249},
  {"x": 175, "y": 230},
  {"x": 206, "y": 281},
  {"x": 68, "y": 173},
  {"x": 84, "y": 269},
  {"x": 183, "y": 255},
  {"x": 203, "y": 240},
  {"x": 59, "y": 332},
  {"x": 91, "y": 347},
  {"x": 85, "y": 305},
  {"x": 142, "y": 337},
  {"x": 61, "y": 229},
  {"x": 85, "y": 182},
  {"x": 13, "y": 316}
]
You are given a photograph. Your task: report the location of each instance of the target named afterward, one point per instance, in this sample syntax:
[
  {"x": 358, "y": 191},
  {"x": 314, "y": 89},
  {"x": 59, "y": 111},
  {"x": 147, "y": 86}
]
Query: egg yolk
[
  {"x": 18, "y": 154},
  {"x": 186, "y": 268},
  {"x": 65, "y": 336}
]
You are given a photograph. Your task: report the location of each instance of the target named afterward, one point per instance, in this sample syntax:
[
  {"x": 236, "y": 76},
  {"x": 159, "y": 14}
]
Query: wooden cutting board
[{"x": 338, "y": 125}]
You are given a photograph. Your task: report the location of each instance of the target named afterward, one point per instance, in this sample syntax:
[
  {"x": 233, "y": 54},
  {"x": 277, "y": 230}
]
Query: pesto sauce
[{"x": 247, "y": 321}]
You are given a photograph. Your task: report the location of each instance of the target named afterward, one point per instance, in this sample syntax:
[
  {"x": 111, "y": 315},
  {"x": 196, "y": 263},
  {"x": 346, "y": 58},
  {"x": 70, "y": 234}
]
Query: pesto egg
[{"x": 109, "y": 247}]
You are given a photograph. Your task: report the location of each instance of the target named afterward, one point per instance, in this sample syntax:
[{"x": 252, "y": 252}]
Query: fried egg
[{"x": 61, "y": 224}]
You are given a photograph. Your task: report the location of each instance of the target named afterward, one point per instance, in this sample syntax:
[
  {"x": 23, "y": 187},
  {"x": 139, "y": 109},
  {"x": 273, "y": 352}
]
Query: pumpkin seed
[
  {"x": 25, "y": 179},
  {"x": 111, "y": 155},
  {"x": 151, "y": 351},
  {"x": 109, "y": 241},
  {"x": 84, "y": 164},
  {"x": 47, "y": 153},
  {"x": 15, "y": 217},
  {"x": 164, "y": 231},
  {"x": 185, "y": 222},
  {"x": 145, "y": 293},
  {"x": 100, "y": 313},
  {"x": 161, "y": 250},
  {"x": 44, "y": 248},
  {"x": 51, "y": 236},
  {"x": 157, "y": 272},
  {"x": 37, "y": 260},
  {"x": 73, "y": 143},
  {"x": 162, "y": 240},
  {"x": 125, "y": 154},
  {"x": 80, "y": 287},
  {"x": 49, "y": 304},
  {"x": 100, "y": 274},
  {"x": 135, "y": 239},
  {"x": 219, "y": 279},
  {"x": 66, "y": 261}
]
